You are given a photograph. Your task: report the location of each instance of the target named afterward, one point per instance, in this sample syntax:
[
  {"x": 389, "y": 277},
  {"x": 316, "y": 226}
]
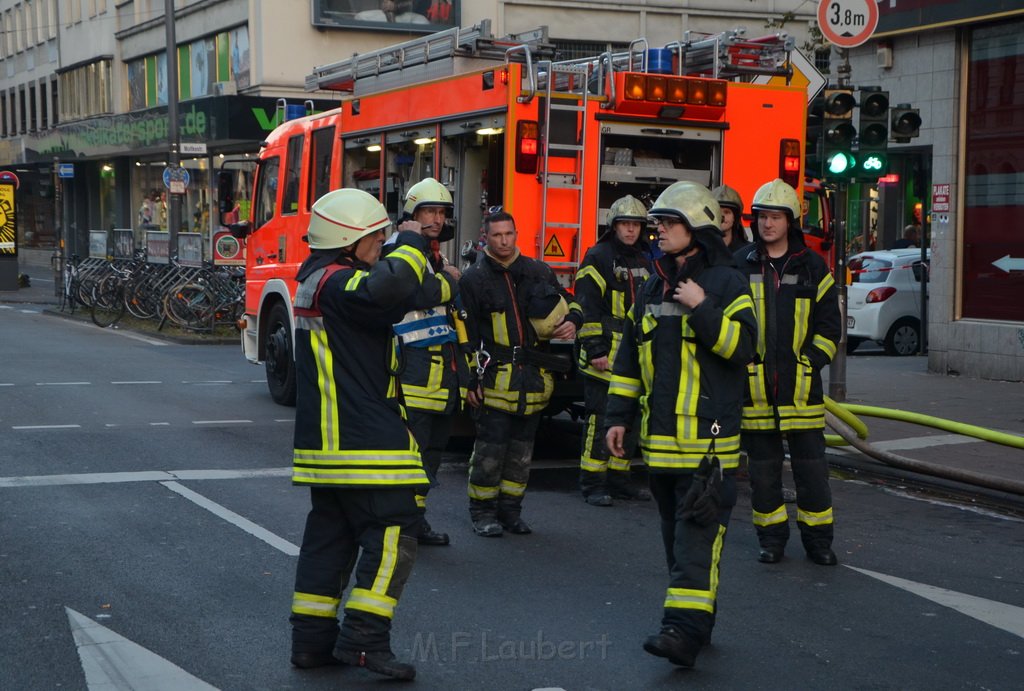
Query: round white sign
[{"x": 847, "y": 23}]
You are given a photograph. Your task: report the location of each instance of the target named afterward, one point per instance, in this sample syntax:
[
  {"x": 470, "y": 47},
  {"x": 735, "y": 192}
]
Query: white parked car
[{"x": 883, "y": 300}]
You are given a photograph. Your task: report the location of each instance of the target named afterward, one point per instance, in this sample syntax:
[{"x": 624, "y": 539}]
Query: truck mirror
[{"x": 240, "y": 230}]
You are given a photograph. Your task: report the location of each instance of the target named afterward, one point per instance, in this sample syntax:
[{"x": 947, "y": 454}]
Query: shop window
[{"x": 320, "y": 171}]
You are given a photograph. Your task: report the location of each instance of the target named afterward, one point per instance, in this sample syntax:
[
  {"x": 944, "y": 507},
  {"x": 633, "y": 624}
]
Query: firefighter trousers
[
  {"x": 340, "y": 523},
  {"x": 600, "y": 472},
  {"x": 810, "y": 474},
  {"x": 431, "y": 431},
  {"x": 692, "y": 552},
  {"x": 499, "y": 466}
]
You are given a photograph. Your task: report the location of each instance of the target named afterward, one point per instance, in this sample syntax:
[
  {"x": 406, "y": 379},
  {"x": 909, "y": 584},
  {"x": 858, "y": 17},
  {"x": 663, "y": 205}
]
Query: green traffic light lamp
[{"x": 841, "y": 164}]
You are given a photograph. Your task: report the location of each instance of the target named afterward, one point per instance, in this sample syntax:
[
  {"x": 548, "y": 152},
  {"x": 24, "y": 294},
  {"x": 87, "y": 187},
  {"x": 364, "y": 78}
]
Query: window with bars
[{"x": 574, "y": 50}]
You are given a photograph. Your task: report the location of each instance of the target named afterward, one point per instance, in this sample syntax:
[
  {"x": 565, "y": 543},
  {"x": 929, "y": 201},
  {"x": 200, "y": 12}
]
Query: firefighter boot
[
  {"x": 313, "y": 660},
  {"x": 515, "y": 525},
  {"x": 673, "y": 644},
  {"x": 378, "y": 661},
  {"x": 823, "y": 556},
  {"x": 428, "y": 536}
]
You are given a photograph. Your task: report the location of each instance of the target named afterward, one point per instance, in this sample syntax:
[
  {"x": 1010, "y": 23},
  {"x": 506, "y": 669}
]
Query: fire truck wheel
[{"x": 280, "y": 359}]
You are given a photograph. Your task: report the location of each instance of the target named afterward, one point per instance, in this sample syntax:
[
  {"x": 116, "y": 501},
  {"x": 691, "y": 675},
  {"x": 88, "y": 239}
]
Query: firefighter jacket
[
  {"x": 798, "y": 327},
  {"x": 431, "y": 365},
  {"x": 499, "y": 300},
  {"x": 684, "y": 367},
  {"x": 606, "y": 287},
  {"x": 349, "y": 426}
]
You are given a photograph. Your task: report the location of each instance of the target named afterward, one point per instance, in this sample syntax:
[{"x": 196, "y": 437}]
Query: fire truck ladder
[
  {"x": 426, "y": 57},
  {"x": 566, "y": 91}
]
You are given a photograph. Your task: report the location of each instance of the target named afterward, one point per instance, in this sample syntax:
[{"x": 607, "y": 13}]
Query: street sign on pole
[
  {"x": 847, "y": 23},
  {"x": 805, "y": 75},
  {"x": 193, "y": 148},
  {"x": 66, "y": 170}
]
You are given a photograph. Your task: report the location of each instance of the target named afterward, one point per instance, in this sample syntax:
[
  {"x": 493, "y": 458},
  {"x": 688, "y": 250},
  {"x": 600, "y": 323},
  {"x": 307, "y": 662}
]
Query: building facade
[
  {"x": 962, "y": 64},
  {"x": 84, "y": 87}
]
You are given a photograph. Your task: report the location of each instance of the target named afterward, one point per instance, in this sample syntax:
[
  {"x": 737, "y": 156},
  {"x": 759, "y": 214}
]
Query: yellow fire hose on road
[{"x": 843, "y": 419}]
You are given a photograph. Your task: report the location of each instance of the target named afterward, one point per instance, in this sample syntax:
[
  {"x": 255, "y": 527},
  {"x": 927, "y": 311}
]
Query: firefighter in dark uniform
[
  {"x": 732, "y": 217},
  {"x": 514, "y": 305},
  {"x": 608, "y": 279},
  {"x": 798, "y": 326},
  {"x": 684, "y": 349},
  {"x": 352, "y": 447},
  {"x": 432, "y": 367}
]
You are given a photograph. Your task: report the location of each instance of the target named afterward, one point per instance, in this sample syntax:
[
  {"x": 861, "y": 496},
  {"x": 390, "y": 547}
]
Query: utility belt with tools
[{"x": 519, "y": 355}]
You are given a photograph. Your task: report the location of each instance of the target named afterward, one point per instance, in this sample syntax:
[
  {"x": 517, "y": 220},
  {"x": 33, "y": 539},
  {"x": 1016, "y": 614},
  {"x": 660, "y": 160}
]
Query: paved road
[{"x": 148, "y": 532}]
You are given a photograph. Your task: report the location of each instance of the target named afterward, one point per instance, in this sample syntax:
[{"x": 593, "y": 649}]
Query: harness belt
[{"x": 518, "y": 355}]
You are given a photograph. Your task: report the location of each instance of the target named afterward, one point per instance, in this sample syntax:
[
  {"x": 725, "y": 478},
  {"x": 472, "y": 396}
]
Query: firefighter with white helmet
[
  {"x": 685, "y": 344},
  {"x": 352, "y": 447},
  {"x": 733, "y": 232},
  {"x": 610, "y": 275},
  {"x": 799, "y": 326},
  {"x": 429, "y": 360}
]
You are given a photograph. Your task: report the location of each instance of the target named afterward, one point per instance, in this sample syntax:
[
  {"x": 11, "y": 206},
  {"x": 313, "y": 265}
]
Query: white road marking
[
  {"x": 6, "y": 384},
  {"x": 159, "y": 424},
  {"x": 212, "y": 381},
  {"x": 112, "y": 662},
  {"x": 63, "y": 383},
  {"x": 136, "y": 382},
  {"x": 284, "y": 419},
  {"x": 998, "y": 614},
  {"x": 222, "y": 422},
  {"x": 245, "y": 524},
  {"x": 139, "y": 476},
  {"x": 46, "y": 426},
  {"x": 29, "y": 311}
]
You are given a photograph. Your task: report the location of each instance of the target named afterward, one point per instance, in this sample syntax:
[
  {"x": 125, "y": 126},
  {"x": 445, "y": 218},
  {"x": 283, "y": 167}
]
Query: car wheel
[
  {"x": 904, "y": 337},
  {"x": 280, "y": 359},
  {"x": 852, "y": 343}
]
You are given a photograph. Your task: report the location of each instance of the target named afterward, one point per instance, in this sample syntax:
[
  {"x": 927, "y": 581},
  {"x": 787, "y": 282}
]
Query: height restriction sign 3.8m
[{"x": 847, "y": 23}]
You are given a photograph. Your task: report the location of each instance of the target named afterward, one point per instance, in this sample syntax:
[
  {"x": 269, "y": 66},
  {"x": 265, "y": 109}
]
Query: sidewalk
[{"x": 906, "y": 384}]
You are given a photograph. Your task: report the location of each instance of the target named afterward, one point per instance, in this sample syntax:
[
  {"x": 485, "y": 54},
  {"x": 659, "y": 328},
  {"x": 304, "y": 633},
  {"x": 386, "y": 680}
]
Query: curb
[{"x": 170, "y": 338}]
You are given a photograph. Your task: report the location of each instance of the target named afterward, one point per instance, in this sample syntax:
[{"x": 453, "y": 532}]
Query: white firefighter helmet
[
  {"x": 777, "y": 196},
  {"x": 427, "y": 192},
  {"x": 690, "y": 202},
  {"x": 728, "y": 197},
  {"x": 341, "y": 217},
  {"x": 628, "y": 208}
]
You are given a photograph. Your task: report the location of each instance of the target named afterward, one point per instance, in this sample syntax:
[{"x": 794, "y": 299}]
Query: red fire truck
[{"x": 501, "y": 122}]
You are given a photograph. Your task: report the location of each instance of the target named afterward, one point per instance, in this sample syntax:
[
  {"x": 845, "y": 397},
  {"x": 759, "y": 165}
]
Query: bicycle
[
  {"x": 108, "y": 297},
  {"x": 70, "y": 287}
]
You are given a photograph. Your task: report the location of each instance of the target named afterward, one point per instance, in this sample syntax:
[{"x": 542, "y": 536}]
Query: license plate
[{"x": 849, "y": 322}]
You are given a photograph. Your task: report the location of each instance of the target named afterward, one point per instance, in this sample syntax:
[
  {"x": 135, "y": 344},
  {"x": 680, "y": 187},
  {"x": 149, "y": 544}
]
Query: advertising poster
[
  {"x": 97, "y": 244},
  {"x": 190, "y": 249},
  {"x": 227, "y": 249},
  {"x": 8, "y": 233}
]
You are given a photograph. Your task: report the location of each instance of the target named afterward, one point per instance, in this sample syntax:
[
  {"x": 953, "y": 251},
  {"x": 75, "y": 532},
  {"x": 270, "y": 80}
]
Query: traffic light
[
  {"x": 872, "y": 161},
  {"x": 905, "y": 123},
  {"x": 838, "y": 132}
]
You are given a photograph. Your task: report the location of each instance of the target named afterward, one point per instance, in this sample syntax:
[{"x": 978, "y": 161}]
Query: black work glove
[{"x": 701, "y": 501}]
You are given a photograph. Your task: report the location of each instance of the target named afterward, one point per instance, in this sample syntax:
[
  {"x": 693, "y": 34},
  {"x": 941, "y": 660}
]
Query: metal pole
[
  {"x": 58, "y": 222},
  {"x": 173, "y": 161},
  {"x": 837, "y": 370}
]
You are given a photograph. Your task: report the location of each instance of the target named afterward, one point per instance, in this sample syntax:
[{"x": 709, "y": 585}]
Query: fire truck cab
[{"x": 501, "y": 122}]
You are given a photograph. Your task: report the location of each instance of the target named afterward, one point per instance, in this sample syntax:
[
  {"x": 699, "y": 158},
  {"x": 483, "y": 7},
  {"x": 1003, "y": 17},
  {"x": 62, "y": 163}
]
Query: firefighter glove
[{"x": 701, "y": 502}]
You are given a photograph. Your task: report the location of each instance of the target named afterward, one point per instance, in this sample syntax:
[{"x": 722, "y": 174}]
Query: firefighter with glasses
[
  {"x": 431, "y": 365},
  {"x": 352, "y": 447},
  {"x": 685, "y": 344},
  {"x": 798, "y": 327},
  {"x": 606, "y": 285}
]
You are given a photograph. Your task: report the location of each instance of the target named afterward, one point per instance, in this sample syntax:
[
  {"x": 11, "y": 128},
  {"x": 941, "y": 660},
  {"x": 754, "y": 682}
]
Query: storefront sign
[
  {"x": 158, "y": 247},
  {"x": 940, "y": 199},
  {"x": 227, "y": 249},
  {"x": 190, "y": 249},
  {"x": 212, "y": 119}
]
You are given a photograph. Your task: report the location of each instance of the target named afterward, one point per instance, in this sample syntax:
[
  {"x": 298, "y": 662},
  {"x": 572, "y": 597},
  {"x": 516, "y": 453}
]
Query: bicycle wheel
[
  {"x": 189, "y": 306},
  {"x": 108, "y": 304}
]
